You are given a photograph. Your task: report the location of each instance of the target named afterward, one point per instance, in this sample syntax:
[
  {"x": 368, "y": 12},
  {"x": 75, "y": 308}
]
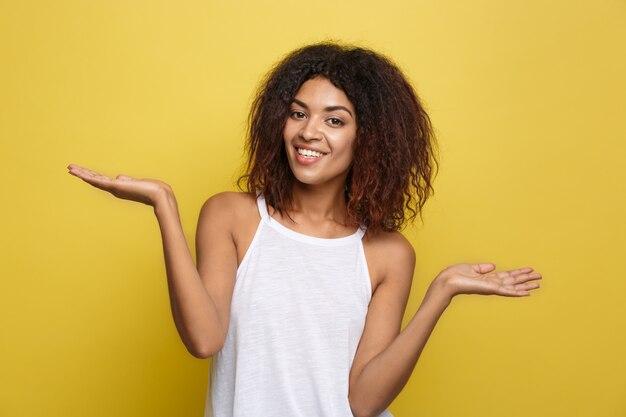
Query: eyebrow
[{"x": 328, "y": 108}]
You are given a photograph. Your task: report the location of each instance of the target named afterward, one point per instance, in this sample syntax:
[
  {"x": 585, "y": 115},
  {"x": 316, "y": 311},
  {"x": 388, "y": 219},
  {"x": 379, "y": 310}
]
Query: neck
[{"x": 319, "y": 203}]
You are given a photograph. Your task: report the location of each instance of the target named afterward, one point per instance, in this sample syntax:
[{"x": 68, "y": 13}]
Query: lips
[
  {"x": 309, "y": 154},
  {"x": 311, "y": 157},
  {"x": 309, "y": 148}
]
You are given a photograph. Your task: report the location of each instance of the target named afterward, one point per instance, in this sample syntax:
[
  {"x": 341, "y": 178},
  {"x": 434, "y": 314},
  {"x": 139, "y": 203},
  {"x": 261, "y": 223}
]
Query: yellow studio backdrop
[{"x": 528, "y": 100}]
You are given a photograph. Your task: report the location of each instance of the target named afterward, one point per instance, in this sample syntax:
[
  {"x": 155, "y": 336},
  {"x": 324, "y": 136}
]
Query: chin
[
  {"x": 314, "y": 180},
  {"x": 306, "y": 180}
]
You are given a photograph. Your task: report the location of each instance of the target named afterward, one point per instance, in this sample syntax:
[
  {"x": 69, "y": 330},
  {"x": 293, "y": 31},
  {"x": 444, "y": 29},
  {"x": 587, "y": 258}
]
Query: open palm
[
  {"x": 143, "y": 190},
  {"x": 482, "y": 279}
]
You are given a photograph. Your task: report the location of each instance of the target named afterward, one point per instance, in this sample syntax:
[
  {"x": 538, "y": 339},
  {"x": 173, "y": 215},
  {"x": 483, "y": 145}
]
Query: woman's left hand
[{"x": 481, "y": 279}]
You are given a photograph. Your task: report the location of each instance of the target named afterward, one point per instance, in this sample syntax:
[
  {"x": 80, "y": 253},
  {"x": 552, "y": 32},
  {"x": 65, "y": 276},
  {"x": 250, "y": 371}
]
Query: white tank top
[{"x": 297, "y": 315}]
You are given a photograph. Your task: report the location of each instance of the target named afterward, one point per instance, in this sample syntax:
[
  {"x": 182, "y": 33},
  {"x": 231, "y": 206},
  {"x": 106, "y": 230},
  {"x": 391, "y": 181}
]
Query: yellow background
[{"x": 529, "y": 103}]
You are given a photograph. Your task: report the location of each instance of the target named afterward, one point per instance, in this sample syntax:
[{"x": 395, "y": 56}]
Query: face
[{"x": 320, "y": 133}]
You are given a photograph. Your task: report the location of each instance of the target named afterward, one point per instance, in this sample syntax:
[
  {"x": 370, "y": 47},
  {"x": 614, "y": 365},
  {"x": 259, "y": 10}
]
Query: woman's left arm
[{"x": 377, "y": 378}]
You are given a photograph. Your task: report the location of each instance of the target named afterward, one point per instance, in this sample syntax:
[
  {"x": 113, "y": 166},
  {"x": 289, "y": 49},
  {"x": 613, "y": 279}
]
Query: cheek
[
  {"x": 288, "y": 132},
  {"x": 345, "y": 154},
  {"x": 349, "y": 144}
]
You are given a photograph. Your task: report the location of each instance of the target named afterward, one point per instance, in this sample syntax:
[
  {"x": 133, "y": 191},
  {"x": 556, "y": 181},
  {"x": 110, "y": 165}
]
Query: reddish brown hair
[{"x": 392, "y": 169}]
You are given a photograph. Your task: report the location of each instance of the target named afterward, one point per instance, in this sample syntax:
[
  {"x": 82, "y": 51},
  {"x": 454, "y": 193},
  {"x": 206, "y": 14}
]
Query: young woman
[{"x": 302, "y": 280}]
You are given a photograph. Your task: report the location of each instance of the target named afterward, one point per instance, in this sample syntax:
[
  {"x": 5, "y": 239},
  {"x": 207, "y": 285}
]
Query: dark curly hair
[{"x": 393, "y": 161}]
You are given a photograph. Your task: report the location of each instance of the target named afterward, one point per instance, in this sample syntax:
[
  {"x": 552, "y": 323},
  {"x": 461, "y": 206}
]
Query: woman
[{"x": 303, "y": 279}]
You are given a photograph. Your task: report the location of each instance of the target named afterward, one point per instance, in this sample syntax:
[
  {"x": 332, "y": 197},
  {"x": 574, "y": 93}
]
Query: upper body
[
  {"x": 227, "y": 224},
  {"x": 315, "y": 296},
  {"x": 337, "y": 139}
]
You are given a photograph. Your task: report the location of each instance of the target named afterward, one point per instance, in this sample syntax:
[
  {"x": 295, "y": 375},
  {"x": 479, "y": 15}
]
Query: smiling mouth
[{"x": 308, "y": 153}]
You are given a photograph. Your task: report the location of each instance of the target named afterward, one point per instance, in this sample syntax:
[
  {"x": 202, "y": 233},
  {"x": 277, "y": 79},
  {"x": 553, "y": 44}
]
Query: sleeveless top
[{"x": 297, "y": 315}]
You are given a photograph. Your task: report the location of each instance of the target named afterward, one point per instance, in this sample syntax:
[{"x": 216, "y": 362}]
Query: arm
[
  {"x": 199, "y": 298},
  {"x": 384, "y": 376},
  {"x": 385, "y": 359}
]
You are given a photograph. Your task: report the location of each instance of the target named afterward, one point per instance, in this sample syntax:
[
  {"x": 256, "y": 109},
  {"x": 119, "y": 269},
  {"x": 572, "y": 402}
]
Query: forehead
[{"x": 320, "y": 90}]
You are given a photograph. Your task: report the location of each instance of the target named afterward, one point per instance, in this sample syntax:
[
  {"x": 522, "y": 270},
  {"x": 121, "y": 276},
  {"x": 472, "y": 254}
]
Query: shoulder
[
  {"x": 229, "y": 207},
  {"x": 229, "y": 201},
  {"x": 393, "y": 244},
  {"x": 390, "y": 254}
]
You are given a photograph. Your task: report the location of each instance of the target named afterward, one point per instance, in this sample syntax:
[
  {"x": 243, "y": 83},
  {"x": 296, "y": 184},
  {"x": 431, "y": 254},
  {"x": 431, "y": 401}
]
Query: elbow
[
  {"x": 206, "y": 351},
  {"x": 358, "y": 410},
  {"x": 356, "y": 413},
  {"x": 207, "y": 346}
]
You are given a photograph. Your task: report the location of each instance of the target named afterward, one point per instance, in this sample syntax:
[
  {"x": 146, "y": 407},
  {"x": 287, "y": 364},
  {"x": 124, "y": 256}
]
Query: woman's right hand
[{"x": 143, "y": 190}]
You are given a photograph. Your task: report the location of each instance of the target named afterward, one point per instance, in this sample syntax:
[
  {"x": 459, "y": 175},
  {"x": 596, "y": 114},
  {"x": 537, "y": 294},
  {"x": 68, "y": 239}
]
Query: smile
[{"x": 308, "y": 153}]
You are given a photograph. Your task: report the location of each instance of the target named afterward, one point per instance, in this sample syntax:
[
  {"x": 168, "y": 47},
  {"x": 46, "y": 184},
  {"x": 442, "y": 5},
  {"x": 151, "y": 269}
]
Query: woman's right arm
[{"x": 199, "y": 297}]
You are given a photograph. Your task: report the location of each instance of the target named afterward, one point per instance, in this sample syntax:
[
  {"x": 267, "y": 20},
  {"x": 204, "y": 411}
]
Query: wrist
[
  {"x": 441, "y": 290},
  {"x": 164, "y": 199}
]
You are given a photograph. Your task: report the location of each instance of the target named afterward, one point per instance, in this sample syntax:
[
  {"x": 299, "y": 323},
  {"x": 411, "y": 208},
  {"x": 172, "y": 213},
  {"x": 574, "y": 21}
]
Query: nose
[{"x": 310, "y": 130}]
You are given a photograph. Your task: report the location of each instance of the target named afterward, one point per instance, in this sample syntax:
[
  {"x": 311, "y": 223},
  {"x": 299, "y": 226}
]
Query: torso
[
  {"x": 247, "y": 220},
  {"x": 276, "y": 311}
]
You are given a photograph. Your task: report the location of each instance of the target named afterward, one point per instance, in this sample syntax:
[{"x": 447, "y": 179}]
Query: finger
[
  {"x": 511, "y": 292},
  {"x": 527, "y": 286},
  {"x": 483, "y": 268},
  {"x": 87, "y": 171},
  {"x": 527, "y": 277},
  {"x": 516, "y": 272},
  {"x": 94, "y": 173},
  {"x": 97, "y": 180},
  {"x": 81, "y": 172},
  {"x": 85, "y": 174},
  {"x": 73, "y": 168}
]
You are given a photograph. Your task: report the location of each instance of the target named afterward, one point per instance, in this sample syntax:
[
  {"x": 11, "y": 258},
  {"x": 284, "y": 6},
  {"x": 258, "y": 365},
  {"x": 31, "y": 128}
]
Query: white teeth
[{"x": 308, "y": 153}]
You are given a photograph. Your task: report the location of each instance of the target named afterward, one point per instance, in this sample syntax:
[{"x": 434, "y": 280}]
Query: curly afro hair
[{"x": 394, "y": 157}]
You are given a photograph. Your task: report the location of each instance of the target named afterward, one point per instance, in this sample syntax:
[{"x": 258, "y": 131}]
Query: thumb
[
  {"x": 123, "y": 177},
  {"x": 484, "y": 268}
]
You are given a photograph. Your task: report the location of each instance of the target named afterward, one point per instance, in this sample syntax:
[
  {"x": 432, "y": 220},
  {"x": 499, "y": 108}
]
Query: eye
[
  {"x": 335, "y": 122},
  {"x": 296, "y": 114}
]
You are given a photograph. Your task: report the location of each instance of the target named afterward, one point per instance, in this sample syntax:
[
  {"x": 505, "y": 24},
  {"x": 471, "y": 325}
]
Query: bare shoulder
[
  {"x": 230, "y": 199},
  {"x": 229, "y": 206},
  {"x": 389, "y": 254},
  {"x": 392, "y": 244},
  {"x": 235, "y": 215}
]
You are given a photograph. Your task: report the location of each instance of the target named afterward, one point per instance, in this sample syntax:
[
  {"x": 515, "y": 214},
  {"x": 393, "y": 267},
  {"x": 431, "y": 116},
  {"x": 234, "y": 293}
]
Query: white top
[{"x": 297, "y": 315}]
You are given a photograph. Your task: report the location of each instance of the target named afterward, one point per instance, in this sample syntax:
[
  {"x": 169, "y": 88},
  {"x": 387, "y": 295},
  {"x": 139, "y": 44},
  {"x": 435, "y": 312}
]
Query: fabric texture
[{"x": 297, "y": 315}]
